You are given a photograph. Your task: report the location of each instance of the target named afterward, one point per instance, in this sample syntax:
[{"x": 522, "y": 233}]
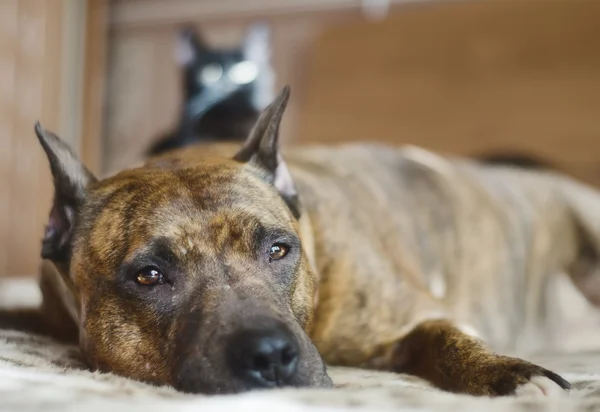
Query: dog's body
[
  {"x": 398, "y": 236},
  {"x": 392, "y": 259},
  {"x": 434, "y": 237}
]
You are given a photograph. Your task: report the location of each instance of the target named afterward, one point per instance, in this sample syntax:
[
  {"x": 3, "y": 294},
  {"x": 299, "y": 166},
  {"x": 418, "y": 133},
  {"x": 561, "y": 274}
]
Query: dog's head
[{"x": 189, "y": 272}]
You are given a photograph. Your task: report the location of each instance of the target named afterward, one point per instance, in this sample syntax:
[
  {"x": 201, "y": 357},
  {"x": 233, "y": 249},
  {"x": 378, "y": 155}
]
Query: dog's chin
[
  {"x": 230, "y": 387},
  {"x": 212, "y": 385}
]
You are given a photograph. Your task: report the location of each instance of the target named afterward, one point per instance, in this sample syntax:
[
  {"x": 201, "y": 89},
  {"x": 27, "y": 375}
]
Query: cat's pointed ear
[
  {"x": 257, "y": 43},
  {"x": 257, "y": 49},
  {"x": 261, "y": 149},
  {"x": 71, "y": 181},
  {"x": 189, "y": 46}
]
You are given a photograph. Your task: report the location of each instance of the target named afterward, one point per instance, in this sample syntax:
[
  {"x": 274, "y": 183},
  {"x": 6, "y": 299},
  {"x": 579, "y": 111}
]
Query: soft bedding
[{"x": 37, "y": 374}]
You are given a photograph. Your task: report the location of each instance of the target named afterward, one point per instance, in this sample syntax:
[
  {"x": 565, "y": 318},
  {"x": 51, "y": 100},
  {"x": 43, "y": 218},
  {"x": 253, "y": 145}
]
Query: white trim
[
  {"x": 72, "y": 71},
  {"x": 152, "y": 12}
]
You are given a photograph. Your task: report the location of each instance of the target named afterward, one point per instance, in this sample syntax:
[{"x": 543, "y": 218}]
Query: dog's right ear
[
  {"x": 71, "y": 180},
  {"x": 261, "y": 149},
  {"x": 189, "y": 47}
]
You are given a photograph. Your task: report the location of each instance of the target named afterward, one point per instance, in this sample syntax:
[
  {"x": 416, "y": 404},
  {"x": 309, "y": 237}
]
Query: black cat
[{"x": 224, "y": 89}]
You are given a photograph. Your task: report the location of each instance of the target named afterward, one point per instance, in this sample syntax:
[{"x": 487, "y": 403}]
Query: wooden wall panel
[
  {"x": 134, "y": 92},
  {"x": 9, "y": 28},
  {"x": 95, "y": 78},
  {"x": 30, "y": 35},
  {"x": 39, "y": 80},
  {"x": 464, "y": 77}
]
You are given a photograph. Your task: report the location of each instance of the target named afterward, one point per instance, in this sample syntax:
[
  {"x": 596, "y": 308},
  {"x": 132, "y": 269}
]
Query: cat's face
[{"x": 213, "y": 75}]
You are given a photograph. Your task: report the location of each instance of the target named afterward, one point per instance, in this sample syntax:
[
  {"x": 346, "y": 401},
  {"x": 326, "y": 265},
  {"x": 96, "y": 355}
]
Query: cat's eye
[
  {"x": 149, "y": 276},
  {"x": 211, "y": 73},
  {"x": 278, "y": 251},
  {"x": 243, "y": 72}
]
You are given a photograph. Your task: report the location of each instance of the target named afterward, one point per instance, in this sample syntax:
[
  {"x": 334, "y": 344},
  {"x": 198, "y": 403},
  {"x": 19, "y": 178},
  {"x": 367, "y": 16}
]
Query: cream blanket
[{"x": 37, "y": 373}]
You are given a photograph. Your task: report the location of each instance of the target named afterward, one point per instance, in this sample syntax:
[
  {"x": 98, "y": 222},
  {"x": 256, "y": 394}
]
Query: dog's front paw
[{"x": 503, "y": 375}]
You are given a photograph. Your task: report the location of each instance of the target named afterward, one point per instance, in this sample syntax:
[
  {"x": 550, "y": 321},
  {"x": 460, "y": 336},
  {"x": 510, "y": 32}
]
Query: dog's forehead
[
  {"x": 166, "y": 193},
  {"x": 199, "y": 207},
  {"x": 169, "y": 180}
]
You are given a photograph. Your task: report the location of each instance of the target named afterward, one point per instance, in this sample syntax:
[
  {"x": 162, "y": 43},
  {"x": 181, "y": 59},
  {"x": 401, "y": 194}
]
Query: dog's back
[
  {"x": 487, "y": 242},
  {"x": 407, "y": 234}
]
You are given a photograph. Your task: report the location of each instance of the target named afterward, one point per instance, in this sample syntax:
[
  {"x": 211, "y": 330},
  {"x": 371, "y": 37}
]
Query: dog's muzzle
[
  {"x": 255, "y": 352},
  {"x": 264, "y": 357}
]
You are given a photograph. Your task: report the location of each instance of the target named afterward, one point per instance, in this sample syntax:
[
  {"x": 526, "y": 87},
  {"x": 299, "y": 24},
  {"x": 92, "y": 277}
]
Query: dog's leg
[
  {"x": 441, "y": 353},
  {"x": 52, "y": 318},
  {"x": 35, "y": 320},
  {"x": 25, "y": 320}
]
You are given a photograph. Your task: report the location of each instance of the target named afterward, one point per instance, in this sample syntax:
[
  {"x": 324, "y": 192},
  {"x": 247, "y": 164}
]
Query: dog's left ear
[
  {"x": 71, "y": 179},
  {"x": 262, "y": 150}
]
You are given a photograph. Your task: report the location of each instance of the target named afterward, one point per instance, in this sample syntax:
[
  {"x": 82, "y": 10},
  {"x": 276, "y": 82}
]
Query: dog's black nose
[{"x": 267, "y": 358}]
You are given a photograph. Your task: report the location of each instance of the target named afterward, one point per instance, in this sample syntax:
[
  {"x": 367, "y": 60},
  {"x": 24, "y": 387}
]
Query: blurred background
[{"x": 113, "y": 78}]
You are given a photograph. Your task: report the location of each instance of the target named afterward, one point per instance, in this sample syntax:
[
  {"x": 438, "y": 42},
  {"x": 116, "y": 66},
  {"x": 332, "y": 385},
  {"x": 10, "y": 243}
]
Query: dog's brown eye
[
  {"x": 278, "y": 251},
  {"x": 149, "y": 277}
]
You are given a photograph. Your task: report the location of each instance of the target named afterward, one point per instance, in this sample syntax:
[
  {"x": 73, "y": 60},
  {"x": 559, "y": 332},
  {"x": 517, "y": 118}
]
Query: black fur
[
  {"x": 517, "y": 159},
  {"x": 212, "y": 111}
]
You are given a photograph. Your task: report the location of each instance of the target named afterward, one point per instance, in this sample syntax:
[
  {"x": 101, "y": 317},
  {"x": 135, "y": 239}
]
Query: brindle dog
[{"x": 220, "y": 269}]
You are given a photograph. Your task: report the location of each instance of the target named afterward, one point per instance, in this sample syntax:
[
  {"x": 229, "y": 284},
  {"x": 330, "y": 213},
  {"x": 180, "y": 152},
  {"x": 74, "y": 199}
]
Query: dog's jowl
[{"x": 222, "y": 269}]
